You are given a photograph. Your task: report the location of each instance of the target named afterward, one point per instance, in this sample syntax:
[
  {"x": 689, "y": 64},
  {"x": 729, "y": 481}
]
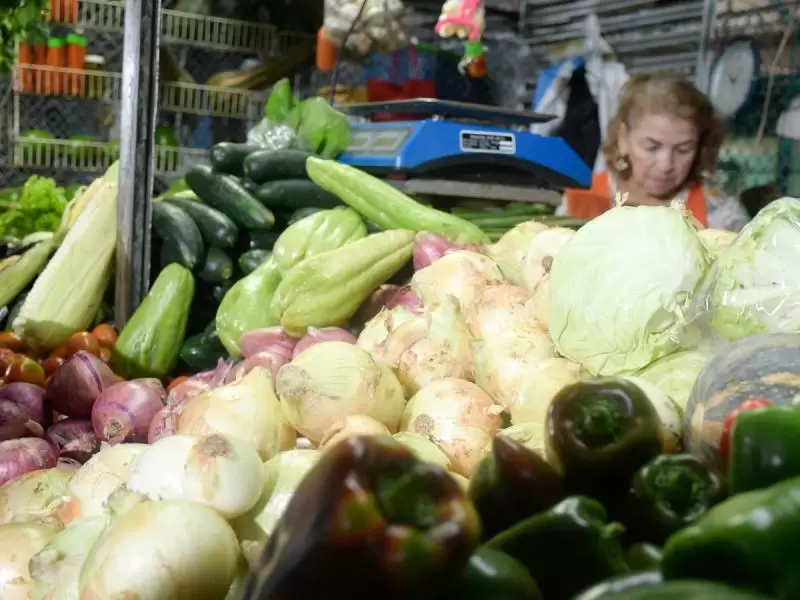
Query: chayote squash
[
  {"x": 328, "y": 288},
  {"x": 149, "y": 344},
  {"x": 246, "y": 306},
  {"x": 320, "y": 232}
]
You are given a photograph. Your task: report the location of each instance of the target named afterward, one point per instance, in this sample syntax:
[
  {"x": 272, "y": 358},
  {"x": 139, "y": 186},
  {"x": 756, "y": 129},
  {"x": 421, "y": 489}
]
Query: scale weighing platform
[{"x": 463, "y": 150}]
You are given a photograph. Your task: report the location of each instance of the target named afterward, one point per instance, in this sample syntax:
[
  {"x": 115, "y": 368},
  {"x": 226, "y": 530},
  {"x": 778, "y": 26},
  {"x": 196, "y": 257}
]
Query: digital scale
[{"x": 463, "y": 150}]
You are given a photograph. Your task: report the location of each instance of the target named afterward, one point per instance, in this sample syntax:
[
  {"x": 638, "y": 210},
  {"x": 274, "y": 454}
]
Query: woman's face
[{"x": 661, "y": 150}]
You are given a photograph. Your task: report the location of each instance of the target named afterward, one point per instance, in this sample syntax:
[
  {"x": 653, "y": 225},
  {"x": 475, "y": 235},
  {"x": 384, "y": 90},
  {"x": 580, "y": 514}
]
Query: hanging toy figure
[{"x": 465, "y": 19}]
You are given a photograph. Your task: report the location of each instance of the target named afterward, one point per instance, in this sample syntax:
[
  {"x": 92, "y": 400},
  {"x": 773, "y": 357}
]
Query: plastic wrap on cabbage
[
  {"x": 675, "y": 374},
  {"x": 621, "y": 288},
  {"x": 754, "y": 285}
]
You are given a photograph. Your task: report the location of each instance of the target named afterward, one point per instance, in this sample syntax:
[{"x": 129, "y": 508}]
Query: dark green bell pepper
[
  {"x": 764, "y": 448},
  {"x": 748, "y": 541},
  {"x": 647, "y": 586},
  {"x": 667, "y": 494},
  {"x": 643, "y": 557},
  {"x": 369, "y": 520},
  {"x": 512, "y": 483},
  {"x": 599, "y": 433},
  {"x": 495, "y": 575},
  {"x": 567, "y": 548}
]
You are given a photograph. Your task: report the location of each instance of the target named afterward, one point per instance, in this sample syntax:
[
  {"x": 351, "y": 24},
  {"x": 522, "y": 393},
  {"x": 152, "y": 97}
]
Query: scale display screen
[{"x": 374, "y": 141}]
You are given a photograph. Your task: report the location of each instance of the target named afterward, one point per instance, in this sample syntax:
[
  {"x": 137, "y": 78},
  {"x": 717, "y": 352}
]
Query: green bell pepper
[
  {"x": 748, "y": 541},
  {"x": 667, "y": 494},
  {"x": 369, "y": 520},
  {"x": 512, "y": 483},
  {"x": 574, "y": 532},
  {"x": 648, "y": 586},
  {"x": 643, "y": 557},
  {"x": 599, "y": 433},
  {"x": 495, "y": 575},
  {"x": 764, "y": 448}
]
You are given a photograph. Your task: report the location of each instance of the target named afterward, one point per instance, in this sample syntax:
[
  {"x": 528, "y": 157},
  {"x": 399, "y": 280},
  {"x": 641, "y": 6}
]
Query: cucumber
[
  {"x": 218, "y": 267},
  {"x": 302, "y": 214},
  {"x": 274, "y": 165},
  {"x": 227, "y": 195},
  {"x": 183, "y": 242},
  {"x": 263, "y": 240},
  {"x": 295, "y": 194},
  {"x": 228, "y": 157},
  {"x": 249, "y": 261},
  {"x": 217, "y": 229}
]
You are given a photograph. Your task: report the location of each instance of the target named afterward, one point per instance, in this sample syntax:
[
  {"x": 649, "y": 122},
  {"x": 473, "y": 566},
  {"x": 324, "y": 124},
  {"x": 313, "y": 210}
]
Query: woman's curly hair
[{"x": 670, "y": 95}]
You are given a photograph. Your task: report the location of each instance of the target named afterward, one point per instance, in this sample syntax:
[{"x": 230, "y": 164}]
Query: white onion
[
  {"x": 457, "y": 416},
  {"x": 19, "y": 542},
  {"x": 97, "y": 479},
  {"x": 34, "y": 495},
  {"x": 246, "y": 409},
  {"x": 501, "y": 362},
  {"x": 220, "y": 472},
  {"x": 280, "y": 476},
  {"x": 499, "y": 309},
  {"x": 539, "y": 386},
  {"x": 170, "y": 550},
  {"x": 349, "y": 427},
  {"x": 458, "y": 274},
  {"x": 334, "y": 380}
]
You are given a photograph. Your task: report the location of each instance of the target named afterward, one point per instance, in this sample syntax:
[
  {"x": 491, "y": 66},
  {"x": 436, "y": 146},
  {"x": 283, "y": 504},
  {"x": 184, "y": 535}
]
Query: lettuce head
[
  {"x": 754, "y": 285},
  {"x": 621, "y": 287}
]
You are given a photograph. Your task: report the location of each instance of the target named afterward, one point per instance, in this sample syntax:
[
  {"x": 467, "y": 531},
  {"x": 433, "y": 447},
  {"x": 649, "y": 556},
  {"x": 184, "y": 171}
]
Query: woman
[{"x": 659, "y": 147}]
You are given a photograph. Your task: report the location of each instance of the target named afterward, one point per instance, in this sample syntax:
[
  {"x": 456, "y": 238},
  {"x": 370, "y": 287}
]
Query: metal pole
[
  {"x": 708, "y": 27},
  {"x": 137, "y": 164}
]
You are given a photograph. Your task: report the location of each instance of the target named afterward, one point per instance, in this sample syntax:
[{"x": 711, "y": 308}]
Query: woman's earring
[{"x": 622, "y": 163}]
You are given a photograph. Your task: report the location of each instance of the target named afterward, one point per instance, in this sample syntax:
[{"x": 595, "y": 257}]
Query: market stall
[{"x": 313, "y": 376}]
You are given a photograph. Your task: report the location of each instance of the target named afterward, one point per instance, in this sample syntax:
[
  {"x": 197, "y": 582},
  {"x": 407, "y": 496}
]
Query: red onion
[
  {"x": 272, "y": 361},
  {"x": 326, "y": 334},
  {"x": 74, "y": 438},
  {"x": 77, "y": 384},
  {"x": 407, "y": 299},
  {"x": 28, "y": 396},
  {"x": 270, "y": 338},
  {"x": 24, "y": 455},
  {"x": 430, "y": 247},
  {"x": 123, "y": 412}
]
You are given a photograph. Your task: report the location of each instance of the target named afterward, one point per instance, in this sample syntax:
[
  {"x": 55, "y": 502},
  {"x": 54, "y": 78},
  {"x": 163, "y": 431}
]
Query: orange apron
[{"x": 591, "y": 203}]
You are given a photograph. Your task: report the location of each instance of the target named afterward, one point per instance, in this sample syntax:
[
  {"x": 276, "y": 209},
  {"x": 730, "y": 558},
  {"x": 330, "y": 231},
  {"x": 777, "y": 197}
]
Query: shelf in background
[
  {"x": 106, "y": 87},
  {"x": 211, "y": 33},
  {"x": 94, "y": 157}
]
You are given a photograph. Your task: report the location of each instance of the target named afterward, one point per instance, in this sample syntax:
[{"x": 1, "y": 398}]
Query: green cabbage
[
  {"x": 675, "y": 374},
  {"x": 620, "y": 288},
  {"x": 754, "y": 285}
]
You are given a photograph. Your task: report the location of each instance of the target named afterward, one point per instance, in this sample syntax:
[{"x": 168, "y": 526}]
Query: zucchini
[
  {"x": 263, "y": 240},
  {"x": 217, "y": 228},
  {"x": 275, "y": 165},
  {"x": 228, "y": 157},
  {"x": 183, "y": 242},
  {"x": 227, "y": 195},
  {"x": 302, "y": 214},
  {"x": 295, "y": 194},
  {"x": 249, "y": 261},
  {"x": 218, "y": 267}
]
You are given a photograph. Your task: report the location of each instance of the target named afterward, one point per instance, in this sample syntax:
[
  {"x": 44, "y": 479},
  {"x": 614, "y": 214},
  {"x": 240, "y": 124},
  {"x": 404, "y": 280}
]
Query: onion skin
[
  {"x": 28, "y": 396},
  {"x": 124, "y": 411},
  {"x": 24, "y": 455},
  {"x": 274, "y": 339},
  {"x": 75, "y": 387},
  {"x": 74, "y": 438},
  {"x": 326, "y": 334}
]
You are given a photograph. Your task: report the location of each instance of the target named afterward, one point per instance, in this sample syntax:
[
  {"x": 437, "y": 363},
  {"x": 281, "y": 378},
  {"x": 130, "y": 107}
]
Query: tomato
[
  {"x": 27, "y": 370},
  {"x": 51, "y": 365},
  {"x": 85, "y": 341},
  {"x": 176, "y": 382},
  {"x": 10, "y": 341},
  {"x": 106, "y": 335}
]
